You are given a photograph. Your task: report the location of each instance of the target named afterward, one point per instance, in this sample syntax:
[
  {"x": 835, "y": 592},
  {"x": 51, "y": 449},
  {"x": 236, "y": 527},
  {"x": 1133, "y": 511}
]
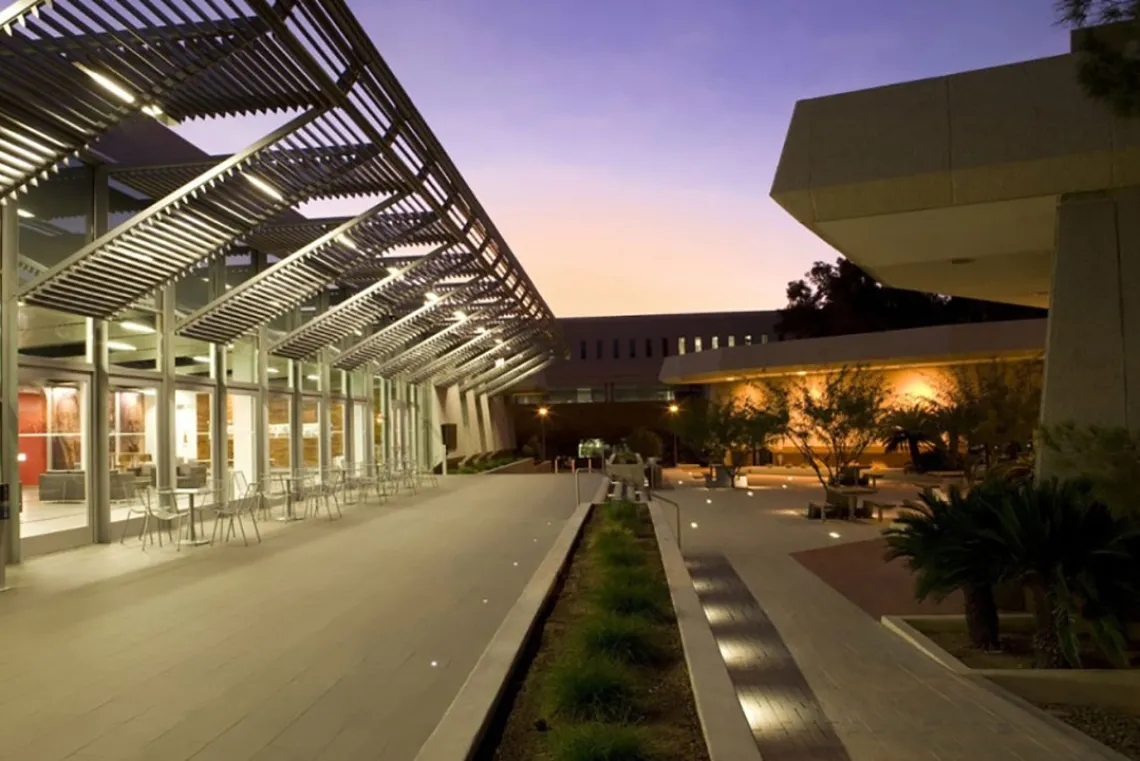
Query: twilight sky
[{"x": 625, "y": 148}]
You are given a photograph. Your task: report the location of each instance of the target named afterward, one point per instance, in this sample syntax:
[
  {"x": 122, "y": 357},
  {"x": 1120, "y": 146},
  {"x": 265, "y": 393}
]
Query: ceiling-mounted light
[
  {"x": 24, "y": 214},
  {"x": 431, "y": 297},
  {"x": 460, "y": 316},
  {"x": 481, "y": 330},
  {"x": 152, "y": 110},
  {"x": 313, "y": 377},
  {"x": 202, "y": 359},
  {"x": 500, "y": 362},
  {"x": 272, "y": 370},
  {"x": 264, "y": 187},
  {"x": 136, "y": 327},
  {"x": 344, "y": 240},
  {"x": 108, "y": 84},
  {"x": 394, "y": 271},
  {"x": 499, "y": 341},
  {"x": 120, "y": 346}
]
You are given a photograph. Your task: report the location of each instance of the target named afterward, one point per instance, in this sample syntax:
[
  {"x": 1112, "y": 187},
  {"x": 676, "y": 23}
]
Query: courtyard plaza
[
  {"x": 818, "y": 676},
  {"x": 328, "y": 641}
]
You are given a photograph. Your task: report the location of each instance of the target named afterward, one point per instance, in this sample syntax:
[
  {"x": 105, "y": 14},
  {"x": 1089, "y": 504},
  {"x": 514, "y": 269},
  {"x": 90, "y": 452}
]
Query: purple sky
[{"x": 625, "y": 148}]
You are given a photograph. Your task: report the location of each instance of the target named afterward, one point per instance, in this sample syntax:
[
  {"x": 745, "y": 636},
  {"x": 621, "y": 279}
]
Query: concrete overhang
[
  {"x": 950, "y": 185},
  {"x": 940, "y": 345}
]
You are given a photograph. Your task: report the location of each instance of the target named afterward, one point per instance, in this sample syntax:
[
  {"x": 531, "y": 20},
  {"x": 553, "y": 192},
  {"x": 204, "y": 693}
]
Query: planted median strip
[{"x": 607, "y": 680}]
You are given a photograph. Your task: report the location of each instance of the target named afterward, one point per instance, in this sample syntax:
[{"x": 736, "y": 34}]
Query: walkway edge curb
[
  {"x": 728, "y": 735},
  {"x": 926, "y": 646},
  {"x": 461, "y": 730}
]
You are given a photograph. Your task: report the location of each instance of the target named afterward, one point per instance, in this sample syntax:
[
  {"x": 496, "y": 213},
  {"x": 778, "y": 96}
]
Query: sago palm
[
  {"x": 947, "y": 545},
  {"x": 1077, "y": 561},
  {"x": 913, "y": 428}
]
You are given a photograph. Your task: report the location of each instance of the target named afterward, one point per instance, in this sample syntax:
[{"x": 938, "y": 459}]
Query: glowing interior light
[
  {"x": 273, "y": 370},
  {"x": 265, "y": 187},
  {"x": 24, "y": 214},
  {"x": 204, "y": 360},
  {"x": 120, "y": 346},
  {"x": 108, "y": 84},
  {"x": 136, "y": 327},
  {"x": 431, "y": 297},
  {"x": 313, "y": 377},
  {"x": 152, "y": 110}
]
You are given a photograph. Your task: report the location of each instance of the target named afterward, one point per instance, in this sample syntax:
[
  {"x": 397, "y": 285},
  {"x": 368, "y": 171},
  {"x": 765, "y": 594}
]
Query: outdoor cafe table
[
  {"x": 290, "y": 482},
  {"x": 192, "y": 494},
  {"x": 852, "y": 493}
]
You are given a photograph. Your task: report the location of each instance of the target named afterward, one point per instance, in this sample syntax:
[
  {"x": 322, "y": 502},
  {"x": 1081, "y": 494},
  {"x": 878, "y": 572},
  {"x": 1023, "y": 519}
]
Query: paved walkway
[
  {"x": 328, "y": 642},
  {"x": 818, "y": 678}
]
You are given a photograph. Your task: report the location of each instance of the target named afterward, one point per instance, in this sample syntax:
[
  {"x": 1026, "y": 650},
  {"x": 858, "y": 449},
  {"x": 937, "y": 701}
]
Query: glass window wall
[
  {"x": 193, "y": 434},
  {"x": 310, "y": 434},
  {"x": 280, "y": 433},
  {"x": 336, "y": 433},
  {"x": 52, "y": 456},
  {"x": 241, "y": 439}
]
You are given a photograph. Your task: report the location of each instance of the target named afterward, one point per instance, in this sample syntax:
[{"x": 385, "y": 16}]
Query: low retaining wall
[
  {"x": 1114, "y": 689},
  {"x": 525, "y": 465},
  {"x": 458, "y": 735},
  {"x": 728, "y": 735}
]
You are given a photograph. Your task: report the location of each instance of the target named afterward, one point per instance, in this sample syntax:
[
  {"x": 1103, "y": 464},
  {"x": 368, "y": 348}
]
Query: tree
[
  {"x": 645, "y": 443},
  {"x": 994, "y": 406},
  {"x": 913, "y": 427},
  {"x": 840, "y": 299},
  {"x": 758, "y": 427},
  {"x": 709, "y": 427},
  {"x": 944, "y": 544},
  {"x": 1109, "y": 68},
  {"x": 841, "y": 415},
  {"x": 1109, "y": 457}
]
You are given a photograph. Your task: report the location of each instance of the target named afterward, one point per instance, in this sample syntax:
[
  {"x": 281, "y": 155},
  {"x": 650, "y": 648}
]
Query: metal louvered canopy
[
  {"x": 365, "y": 308},
  {"x": 70, "y": 70}
]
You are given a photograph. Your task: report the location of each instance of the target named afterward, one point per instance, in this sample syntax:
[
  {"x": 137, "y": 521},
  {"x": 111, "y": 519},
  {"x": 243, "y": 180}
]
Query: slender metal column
[
  {"x": 349, "y": 422},
  {"x": 164, "y": 405},
  {"x": 9, "y": 378},
  {"x": 219, "y": 407},
  {"x": 261, "y": 413},
  {"x": 100, "y": 466},
  {"x": 325, "y": 415},
  {"x": 369, "y": 435}
]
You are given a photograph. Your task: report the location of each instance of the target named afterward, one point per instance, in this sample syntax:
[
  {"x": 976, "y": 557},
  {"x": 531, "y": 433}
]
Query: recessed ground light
[
  {"x": 708, "y": 501},
  {"x": 961, "y": 260},
  {"x": 834, "y": 534},
  {"x": 749, "y": 494},
  {"x": 693, "y": 524},
  {"x": 516, "y": 562},
  {"x": 485, "y": 600},
  {"x": 434, "y": 664},
  {"x": 783, "y": 486}
]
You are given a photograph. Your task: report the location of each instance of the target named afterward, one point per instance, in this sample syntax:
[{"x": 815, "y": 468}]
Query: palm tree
[
  {"x": 946, "y": 543},
  {"x": 913, "y": 427},
  {"x": 1074, "y": 557}
]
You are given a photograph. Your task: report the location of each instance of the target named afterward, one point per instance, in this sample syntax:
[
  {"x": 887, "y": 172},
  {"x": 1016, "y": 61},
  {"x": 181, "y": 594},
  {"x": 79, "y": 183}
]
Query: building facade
[
  {"x": 608, "y": 383},
  {"x": 172, "y": 323}
]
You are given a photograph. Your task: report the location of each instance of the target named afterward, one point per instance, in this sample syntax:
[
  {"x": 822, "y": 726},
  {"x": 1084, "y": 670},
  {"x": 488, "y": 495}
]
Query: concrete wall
[
  {"x": 906, "y": 385},
  {"x": 643, "y": 341},
  {"x": 483, "y": 425}
]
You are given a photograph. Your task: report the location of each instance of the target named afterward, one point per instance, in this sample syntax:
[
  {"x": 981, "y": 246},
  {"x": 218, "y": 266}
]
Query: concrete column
[
  {"x": 368, "y": 436},
  {"x": 9, "y": 375},
  {"x": 1092, "y": 363}
]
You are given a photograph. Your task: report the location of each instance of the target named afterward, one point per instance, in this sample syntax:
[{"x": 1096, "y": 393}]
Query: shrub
[
  {"x": 600, "y": 742},
  {"x": 622, "y": 638},
  {"x": 583, "y": 687},
  {"x": 623, "y": 514},
  {"x": 632, "y": 592},
  {"x": 618, "y": 549}
]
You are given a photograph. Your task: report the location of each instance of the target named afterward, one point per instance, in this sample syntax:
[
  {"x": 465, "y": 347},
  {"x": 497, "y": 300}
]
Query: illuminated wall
[{"x": 906, "y": 385}]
